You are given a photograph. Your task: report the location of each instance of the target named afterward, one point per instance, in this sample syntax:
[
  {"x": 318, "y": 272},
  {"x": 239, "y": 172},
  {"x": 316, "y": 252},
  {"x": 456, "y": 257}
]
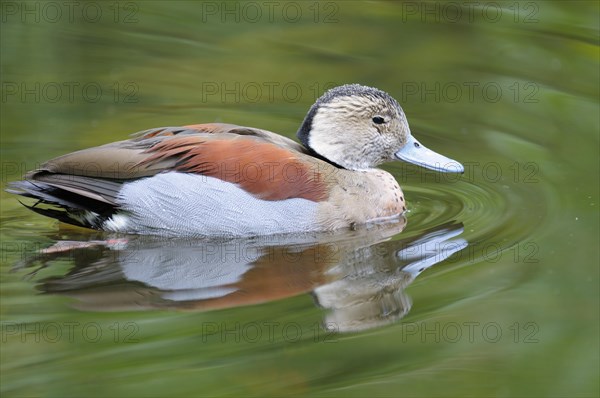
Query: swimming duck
[{"x": 227, "y": 180}]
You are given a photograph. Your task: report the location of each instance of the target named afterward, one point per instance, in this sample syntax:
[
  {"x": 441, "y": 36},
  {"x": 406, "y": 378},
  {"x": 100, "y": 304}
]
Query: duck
[{"x": 225, "y": 180}]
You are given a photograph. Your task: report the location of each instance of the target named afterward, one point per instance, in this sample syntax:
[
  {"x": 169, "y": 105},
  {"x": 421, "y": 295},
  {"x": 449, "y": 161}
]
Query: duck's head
[{"x": 358, "y": 127}]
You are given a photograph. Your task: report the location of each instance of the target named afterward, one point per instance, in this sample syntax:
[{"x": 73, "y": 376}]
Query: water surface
[{"x": 489, "y": 287}]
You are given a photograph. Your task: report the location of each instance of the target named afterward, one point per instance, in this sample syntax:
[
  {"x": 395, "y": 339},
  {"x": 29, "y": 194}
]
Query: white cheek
[{"x": 326, "y": 141}]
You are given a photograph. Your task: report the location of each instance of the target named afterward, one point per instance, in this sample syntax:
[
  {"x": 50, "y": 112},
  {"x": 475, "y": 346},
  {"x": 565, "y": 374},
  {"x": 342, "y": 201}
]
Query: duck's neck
[{"x": 315, "y": 154}]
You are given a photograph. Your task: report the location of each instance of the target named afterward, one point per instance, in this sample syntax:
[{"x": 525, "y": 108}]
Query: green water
[{"x": 510, "y": 89}]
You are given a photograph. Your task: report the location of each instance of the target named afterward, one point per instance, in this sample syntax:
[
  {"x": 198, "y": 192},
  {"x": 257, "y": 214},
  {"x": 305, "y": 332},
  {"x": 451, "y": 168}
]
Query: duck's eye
[{"x": 378, "y": 120}]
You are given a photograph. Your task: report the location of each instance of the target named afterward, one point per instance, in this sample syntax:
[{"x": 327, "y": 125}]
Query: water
[{"x": 489, "y": 288}]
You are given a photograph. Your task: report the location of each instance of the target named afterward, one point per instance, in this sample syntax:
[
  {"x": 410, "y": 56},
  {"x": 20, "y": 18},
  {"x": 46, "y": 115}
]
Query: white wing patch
[{"x": 118, "y": 222}]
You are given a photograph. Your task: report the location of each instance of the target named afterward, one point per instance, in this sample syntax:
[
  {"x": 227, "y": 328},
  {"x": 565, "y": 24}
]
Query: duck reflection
[{"x": 358, "y": 276}]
